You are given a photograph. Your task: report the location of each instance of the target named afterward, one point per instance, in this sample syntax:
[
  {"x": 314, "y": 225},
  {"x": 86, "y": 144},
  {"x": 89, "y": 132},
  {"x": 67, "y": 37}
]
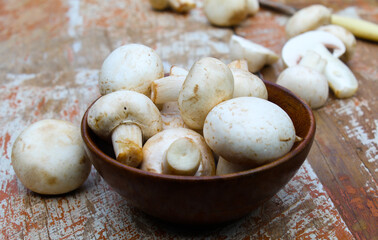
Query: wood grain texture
[
  {"x": 345, "y": 152},
  {"x": 50, "y": 56}
]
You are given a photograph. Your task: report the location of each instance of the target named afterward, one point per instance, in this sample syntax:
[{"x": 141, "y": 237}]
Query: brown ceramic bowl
[{"x": 206, "y": 200}]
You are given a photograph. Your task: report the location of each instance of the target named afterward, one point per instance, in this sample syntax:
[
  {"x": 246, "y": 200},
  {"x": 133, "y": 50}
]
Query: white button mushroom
[
  {"x": 130, "y": 67},
  {"x": 308, "y": 19},
  {"x": 48, "y": 157},
  {"x": 209, "y": 82},
  {"x": 249, "y": 131},
  {"x": 125, "y": 116},
  {"x": 256, "y": 55},
  {"x": 247, "y": 84},
  {"x": 225, "y": 13},
  {"x": 345, "y": 36},
  {"x": 178, "y": 151},
  {"x": 253, "y": 6},
  {"x": 307, "y": 80},
  {"x": 296, "y": 47}
]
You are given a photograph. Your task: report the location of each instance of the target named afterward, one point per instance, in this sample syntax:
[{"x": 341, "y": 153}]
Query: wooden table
[{"x": 51, "y": 53}]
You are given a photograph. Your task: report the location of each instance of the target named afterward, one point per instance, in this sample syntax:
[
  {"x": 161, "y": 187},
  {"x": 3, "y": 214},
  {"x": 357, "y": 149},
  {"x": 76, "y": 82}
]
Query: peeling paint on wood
[{"x": 51, "y": 53}]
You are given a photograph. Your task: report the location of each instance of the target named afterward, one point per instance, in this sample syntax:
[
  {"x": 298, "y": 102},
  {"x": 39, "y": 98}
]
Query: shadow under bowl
[{"x": 211, "y": 199}]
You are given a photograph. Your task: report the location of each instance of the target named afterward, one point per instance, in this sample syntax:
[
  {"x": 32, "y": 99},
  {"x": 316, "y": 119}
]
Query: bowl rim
[{"x": 292, "y": 153}]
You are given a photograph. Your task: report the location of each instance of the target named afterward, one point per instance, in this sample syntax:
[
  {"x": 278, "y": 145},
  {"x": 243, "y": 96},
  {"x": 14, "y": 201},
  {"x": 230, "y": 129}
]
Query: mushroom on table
[
  {"x": 127, "y": 118},
  {"x": 48, "y": 157},
  {"x": 178, "y": 151},
  {"x": 130, "y": 67}
]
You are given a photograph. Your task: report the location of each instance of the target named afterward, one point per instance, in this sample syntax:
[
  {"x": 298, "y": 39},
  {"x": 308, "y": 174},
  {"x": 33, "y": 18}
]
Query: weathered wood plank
[
  {"x": 344, "y": 155},
  {"x": 51, "y": 53}
]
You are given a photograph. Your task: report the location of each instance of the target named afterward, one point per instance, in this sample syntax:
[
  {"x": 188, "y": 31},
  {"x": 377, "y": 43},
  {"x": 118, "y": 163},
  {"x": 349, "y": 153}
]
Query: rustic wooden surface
[{"x": 51, "y": 52}]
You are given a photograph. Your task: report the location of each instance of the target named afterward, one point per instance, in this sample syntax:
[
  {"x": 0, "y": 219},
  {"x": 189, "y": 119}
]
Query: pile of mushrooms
[
  {"x": 314, "y": 53},
  {"x": 212, "y": 109}
]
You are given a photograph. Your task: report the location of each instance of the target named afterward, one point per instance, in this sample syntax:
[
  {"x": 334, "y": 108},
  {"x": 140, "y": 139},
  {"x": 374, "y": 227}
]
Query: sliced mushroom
[
  {"x": 295, "y": 48},
  {"x": 308, "y": 19},
  {"x": 209, "y": 82},
  {"x": 225, "y": 13},
  {"x": 48, "y": 157},
  {"x": 249, "y": 131},
  {"x": 130, "y": 67},
  {"x": 164, "y": 151},
  {"x": 256, "y": 55},
  {"x": 340, "y": 78},
  {"x": 345, "y": 36},
  {"x": 128, "y": 118},
  {"x": 307, "y": 80}
]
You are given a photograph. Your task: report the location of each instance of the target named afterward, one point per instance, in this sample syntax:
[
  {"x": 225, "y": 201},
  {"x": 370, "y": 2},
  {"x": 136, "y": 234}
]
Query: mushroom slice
[
  {"x": 340, "y": 78},
  {"x": 209, "y": 82},
  {"x": 127, "y": 118},
  {"x": 256, "y": 55},
  {"x": 296, "y": 47},
  {"x": 48, "y": 157},
  {"x": 345, "y": 36},
  {"x": 130, "y": 67},
  {"x": 249, "y": 131},
  {"x": 308, "y": 19},
  {"x": 163, "y": 151}
]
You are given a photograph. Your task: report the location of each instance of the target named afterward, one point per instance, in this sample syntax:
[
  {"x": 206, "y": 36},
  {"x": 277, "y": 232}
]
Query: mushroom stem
[
  {"x": 239, "y": 64},
  {"x": 183, "y": 157},
  {"x": 127, "y": 144},
  {"x": 166, "y": 89}
]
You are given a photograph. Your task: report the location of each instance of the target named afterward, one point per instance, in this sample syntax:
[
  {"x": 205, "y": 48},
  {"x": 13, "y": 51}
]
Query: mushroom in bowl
[{"x": 203, "y": 200}]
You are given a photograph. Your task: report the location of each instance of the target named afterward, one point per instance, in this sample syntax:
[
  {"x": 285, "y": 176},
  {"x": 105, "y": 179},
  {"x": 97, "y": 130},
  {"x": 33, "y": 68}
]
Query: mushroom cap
[
  {"x": 208, "y": 83},
  {"x": 124, "y": 107},
  {"x": 256, "y": 55},
  {"x": 249, "y": 130},
  {"x": 48, "y": 157},
  {"x": 225, "y": 13},
  {"x": 155, "y": 148},
  {"x": 307, "y": 83},
  {"x": 308, "y": 19},
  {"x": 130, "y": 67},
  {"x": 345, "y": 36},
  {"x": 296, "y": 47},
  {"x": 246, "y": 84}
]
